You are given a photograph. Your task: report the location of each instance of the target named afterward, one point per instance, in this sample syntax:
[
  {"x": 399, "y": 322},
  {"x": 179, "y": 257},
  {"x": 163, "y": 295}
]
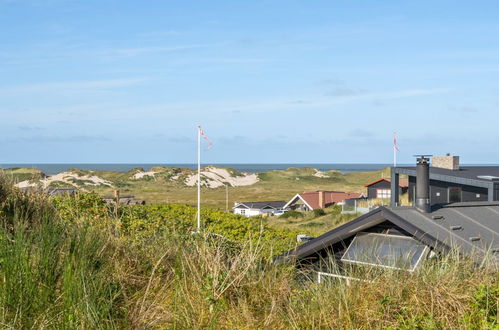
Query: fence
[{"x": 355, "y": 206}]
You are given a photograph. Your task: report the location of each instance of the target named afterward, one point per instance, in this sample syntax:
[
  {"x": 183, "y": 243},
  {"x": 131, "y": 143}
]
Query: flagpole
[
  {"x": 394, "y": 157},
  {"x": 199, "y": 180}
]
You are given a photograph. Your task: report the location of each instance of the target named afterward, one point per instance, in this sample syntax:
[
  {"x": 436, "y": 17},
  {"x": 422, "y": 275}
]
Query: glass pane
[
  {"x": 454, "y": 195},
  {"x": 384, "y": 250}
]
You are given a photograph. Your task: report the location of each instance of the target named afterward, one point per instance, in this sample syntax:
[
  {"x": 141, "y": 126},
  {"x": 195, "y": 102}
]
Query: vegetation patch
[{"x": 75, "y": 262}]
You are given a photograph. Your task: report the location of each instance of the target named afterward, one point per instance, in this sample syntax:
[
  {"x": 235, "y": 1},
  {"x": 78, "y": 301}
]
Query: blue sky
[{"x": 270, "y": 81}]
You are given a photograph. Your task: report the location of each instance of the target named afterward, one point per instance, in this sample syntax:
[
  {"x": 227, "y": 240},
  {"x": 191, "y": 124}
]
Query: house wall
[
  {"x": 371, "y": 190},
  {"x": 247, "y": 212},
  {"x": 298, "y": 205},
  {"x": 439, "y": 191},
  {"x": 252, "y": 212}
]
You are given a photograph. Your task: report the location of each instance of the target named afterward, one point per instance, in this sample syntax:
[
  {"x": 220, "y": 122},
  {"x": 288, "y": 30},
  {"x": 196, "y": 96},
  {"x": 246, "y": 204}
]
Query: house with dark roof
[
  {"x": 450, "y": 182},
  {"x": 251, "y": 209},
  {"x": 402, "y": 237},
  {"x": 62, "y": 192},
  {"x": 381, "y": 189},
  {"x": 314, "y": 200},
  {"x": 124, "y": 200}
]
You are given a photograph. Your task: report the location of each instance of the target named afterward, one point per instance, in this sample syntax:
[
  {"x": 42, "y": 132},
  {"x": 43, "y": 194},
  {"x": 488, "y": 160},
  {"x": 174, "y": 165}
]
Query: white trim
[
  {"x": 423, "y": 253},
  {"x": 293, "y": 200},
  {"x": 241, "y": 205}
]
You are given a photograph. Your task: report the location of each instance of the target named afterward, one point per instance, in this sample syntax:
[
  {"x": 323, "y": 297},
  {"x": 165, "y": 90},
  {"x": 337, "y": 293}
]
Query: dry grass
[{"x": 214, "y": 290}]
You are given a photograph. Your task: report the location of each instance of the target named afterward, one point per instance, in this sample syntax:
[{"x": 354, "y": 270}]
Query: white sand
[
  {"x": 320, "y": 174},
  {"x": 141, "y": 175},
  {"x": 66, "y": 177},
  {"x": 25, "y": 184},
  {"x": 217, "y": 177}
]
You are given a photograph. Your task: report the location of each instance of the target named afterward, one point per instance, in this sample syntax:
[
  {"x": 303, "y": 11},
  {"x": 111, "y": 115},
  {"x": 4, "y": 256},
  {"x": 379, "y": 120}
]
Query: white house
[{"x": 251, "y": 209}]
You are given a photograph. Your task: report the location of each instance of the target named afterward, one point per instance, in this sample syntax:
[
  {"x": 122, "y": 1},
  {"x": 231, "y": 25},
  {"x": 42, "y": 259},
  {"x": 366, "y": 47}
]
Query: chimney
[
  {"x": 423, "y": 184},
  {"x": 322, "y": 199},
  {"x": 448, "y": 162}
]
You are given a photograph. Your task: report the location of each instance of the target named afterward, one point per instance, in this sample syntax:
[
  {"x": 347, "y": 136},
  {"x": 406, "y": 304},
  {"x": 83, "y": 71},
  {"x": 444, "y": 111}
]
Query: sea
[{"x": 51, "y": 169}]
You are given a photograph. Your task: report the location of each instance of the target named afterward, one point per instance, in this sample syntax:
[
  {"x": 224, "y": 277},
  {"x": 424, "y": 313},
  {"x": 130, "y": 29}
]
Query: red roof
[
  {"x": 330, "y": 198},
  {"x": 403, "y": 183}
]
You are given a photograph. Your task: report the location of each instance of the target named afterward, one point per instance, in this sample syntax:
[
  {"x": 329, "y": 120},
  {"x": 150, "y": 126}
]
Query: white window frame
[
  {"x": 387, "y": 193},
  {"x": 423, "y": 254}
]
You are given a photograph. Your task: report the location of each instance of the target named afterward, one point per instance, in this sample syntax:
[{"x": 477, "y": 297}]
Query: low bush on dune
[
  {"x": 292, "y": 214},
  {"x": 79, "y": 263},
  {"x": 319, "y": 212}
]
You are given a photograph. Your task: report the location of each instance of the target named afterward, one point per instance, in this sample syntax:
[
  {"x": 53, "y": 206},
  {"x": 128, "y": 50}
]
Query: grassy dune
[{"x": 272, "y": 185}]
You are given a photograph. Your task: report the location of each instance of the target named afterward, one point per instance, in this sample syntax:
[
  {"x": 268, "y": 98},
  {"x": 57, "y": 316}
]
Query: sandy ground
[
  {"x": 217, "y": 177},
  {"x": 141, "y": 175},
  {"x": 66, "y": 177},
  {"x": 320, "y": 174}
]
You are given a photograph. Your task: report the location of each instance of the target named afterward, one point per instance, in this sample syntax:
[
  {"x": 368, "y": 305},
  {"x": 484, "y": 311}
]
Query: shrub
[
  {"x": 319, "y": 212},
  {"x": 292, "y": 214}
]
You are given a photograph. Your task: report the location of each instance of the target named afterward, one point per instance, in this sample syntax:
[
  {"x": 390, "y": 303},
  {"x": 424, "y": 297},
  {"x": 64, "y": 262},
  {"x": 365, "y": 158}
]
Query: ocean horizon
[{"x": 55, "y": 168}]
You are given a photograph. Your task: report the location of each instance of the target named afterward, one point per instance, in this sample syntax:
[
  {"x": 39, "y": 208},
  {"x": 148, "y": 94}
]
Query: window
[
  {"x": 243, "y": 211},
  {"x": 437, "y": 194},
  {"x": 391, "y": 251},
  {"x": 454, "y": 194},
  {"x": 477, "y": 195},
  {"x": 383, "y": 193}
]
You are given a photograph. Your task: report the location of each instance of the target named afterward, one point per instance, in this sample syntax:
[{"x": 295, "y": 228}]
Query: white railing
[{"x": 348, "y": 279}]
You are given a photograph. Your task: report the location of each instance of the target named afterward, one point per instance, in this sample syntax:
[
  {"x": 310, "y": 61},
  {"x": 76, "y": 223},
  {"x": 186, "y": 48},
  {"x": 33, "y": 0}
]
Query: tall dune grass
[{"x": 55, "y": 274}]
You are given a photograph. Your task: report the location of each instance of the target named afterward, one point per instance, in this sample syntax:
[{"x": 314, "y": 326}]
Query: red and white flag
[
  {"x": 201, "y": 131},
  {"x": 395, "y": 141}
]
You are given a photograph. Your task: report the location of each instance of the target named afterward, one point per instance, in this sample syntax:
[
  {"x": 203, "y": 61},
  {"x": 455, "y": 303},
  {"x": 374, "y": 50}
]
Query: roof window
[{"x": 381, "y": 250}]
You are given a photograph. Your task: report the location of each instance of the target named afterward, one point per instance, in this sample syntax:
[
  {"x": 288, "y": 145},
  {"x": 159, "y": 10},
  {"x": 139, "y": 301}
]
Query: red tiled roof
[
  {"x": 403, "y": 183},
  {"x": 330, "y": 198}
]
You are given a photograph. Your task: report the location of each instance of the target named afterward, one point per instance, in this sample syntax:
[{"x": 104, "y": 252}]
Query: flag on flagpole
[
  {"x": 395, "y": 149},
  {"x": 395, "y": 142},
  {"x": 203, "y": 135}
]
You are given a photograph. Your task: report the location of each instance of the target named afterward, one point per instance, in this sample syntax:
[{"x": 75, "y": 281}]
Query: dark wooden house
[
  {"x": 381, "y": 189},
  {"x": 451, "y": 183}
]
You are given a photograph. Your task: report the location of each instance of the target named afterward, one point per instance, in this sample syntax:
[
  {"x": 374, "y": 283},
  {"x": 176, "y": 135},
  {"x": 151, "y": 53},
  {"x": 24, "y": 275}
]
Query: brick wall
[{"x": 448, "y": 162}]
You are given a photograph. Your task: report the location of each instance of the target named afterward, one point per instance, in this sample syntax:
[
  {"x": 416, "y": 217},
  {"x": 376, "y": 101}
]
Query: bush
[
  {"x": 319, "y": 212},
  {"x": 291, "y": 214}
]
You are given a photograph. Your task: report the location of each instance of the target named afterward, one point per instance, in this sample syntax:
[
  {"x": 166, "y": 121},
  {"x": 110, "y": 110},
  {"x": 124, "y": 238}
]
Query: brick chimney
[
  {"x": 322, "y": 199},
  {"x": 448, "y": 162}
]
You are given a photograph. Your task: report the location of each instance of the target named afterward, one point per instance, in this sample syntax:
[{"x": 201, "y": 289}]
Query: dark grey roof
[
  {"x": 471, "y": 228},
  {"x": 62, "y": 191},
  {"x": 465, "y": 172},
  {"x": 261, "y": 205}
]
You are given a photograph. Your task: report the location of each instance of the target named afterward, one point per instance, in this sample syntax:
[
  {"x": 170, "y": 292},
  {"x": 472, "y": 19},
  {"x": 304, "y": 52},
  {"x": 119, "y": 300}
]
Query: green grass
[{"x": 310, "y": 222}]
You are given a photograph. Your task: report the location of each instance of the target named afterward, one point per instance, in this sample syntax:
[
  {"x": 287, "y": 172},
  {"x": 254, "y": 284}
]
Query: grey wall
[{"x": 469, "y": 193}]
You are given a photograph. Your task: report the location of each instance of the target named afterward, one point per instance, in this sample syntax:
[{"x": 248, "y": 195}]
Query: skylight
[{"x": 391, "y": 251}]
